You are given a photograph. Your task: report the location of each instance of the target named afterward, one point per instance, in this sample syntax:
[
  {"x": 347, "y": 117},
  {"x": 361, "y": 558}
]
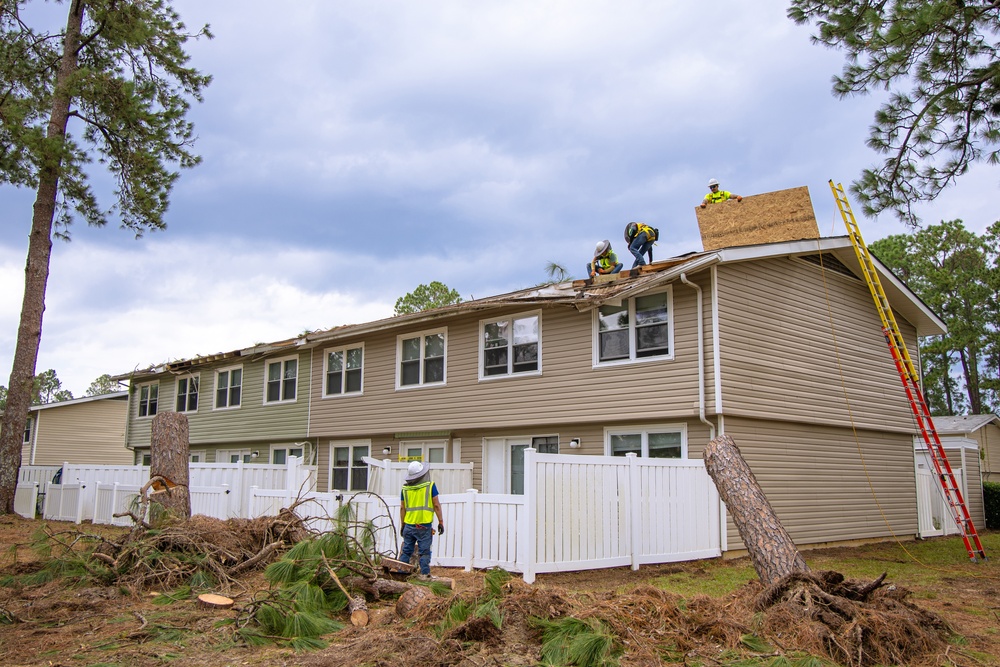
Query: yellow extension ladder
[{"x": 911, "y": 382}]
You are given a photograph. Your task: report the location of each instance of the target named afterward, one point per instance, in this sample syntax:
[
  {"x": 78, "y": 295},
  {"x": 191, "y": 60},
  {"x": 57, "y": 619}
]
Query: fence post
[
  {"x": 469, "y": 529},
  {"x": 530, "y": 535},
  {"x": 250, "y": 498},
  {"x": 634, "y": 509},
  {"x": 79, "y": 504},
  {"x": 386, "y": 467}
]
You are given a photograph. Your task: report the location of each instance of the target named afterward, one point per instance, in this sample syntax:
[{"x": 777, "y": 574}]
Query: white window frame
[
  {"x": 632, "y": 358},
  {"x": 510, "y": 346},
  {"x": 303, "y": 450},
  {"x": 229, "y": 388},
  {"x": 244, "y": 453},
  {"x": 282, "y": 362},
  {"x": 343, "y": 378},
  {"x": 422, "y": 335},
  {"x": 350, "y": 444},
  {"x": 188, "y": 380},
  {"x": 425, "y": 446},
  {"x": 138, "y": 401},
  {"x": 644, "y": 430}
]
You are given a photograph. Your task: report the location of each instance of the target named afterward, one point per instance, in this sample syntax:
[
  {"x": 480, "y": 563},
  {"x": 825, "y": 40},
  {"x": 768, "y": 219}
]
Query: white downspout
[{"x": 701, "y": 359}]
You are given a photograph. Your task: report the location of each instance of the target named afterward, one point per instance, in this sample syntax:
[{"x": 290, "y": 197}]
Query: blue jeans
[
  {"x": 590, "y": 267},
  {"x": 639, "y": 246},
  {"x": 418, "y": 534}
]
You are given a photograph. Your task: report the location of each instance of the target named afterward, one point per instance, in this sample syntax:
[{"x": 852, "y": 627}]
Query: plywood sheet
[{"x": 772, "y": 217}]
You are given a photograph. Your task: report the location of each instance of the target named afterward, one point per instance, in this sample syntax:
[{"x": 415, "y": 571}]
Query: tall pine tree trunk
[
  {"x": 36, "y": 271},
  {"x": 772, "y": 551}
]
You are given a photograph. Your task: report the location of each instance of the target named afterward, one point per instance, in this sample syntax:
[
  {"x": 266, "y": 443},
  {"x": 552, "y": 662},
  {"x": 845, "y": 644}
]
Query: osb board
[{"x": 785, "y": 215}]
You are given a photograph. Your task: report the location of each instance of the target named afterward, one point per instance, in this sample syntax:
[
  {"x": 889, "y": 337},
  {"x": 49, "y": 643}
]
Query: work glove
[
  {"x": 739, "y": 198},
  {"x": 703, "y": 205},
  {"x": 440, "y": 528}
]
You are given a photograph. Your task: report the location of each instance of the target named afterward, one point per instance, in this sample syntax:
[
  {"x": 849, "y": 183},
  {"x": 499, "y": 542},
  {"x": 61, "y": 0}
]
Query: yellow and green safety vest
[
  {"x": 606, "y": 262},
  {"x": 419, "y": 503},
  {"x": 718, "y": 196},
  {"x": 650, "y": 232}
]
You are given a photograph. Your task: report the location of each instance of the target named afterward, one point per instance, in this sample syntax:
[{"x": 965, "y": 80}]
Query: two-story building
[{"x": 777, "y": 345}]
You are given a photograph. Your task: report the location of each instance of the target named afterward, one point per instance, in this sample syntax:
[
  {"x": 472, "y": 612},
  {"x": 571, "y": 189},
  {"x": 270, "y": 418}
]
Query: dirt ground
[{"x": 55, "y": 625}]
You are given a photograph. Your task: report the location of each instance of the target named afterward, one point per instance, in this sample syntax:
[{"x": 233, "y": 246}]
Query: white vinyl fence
[
  {"x": 577, "y": 513},
  {"x": 95, "y": 493}
]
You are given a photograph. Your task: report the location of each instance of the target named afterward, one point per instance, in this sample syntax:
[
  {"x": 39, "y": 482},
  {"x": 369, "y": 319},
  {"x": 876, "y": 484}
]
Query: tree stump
[
  {"x": 169, "y": 453},
  {"x": 214, "y": 601},
  {"x": 772, "y": 551}
]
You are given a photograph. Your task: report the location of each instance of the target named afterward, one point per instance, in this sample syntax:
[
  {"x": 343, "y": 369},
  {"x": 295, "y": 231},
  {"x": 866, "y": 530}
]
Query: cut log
[
  {"x": 771, "y": 549},
  {"x": 168, "y": 459},
  {"x": 377, "y": 587},
  {"x": 214, "y": 601},
  {"x": 396, "y": 566},
  {"x": 359, "y": 612},
  {"x": 411, "y": 599}
]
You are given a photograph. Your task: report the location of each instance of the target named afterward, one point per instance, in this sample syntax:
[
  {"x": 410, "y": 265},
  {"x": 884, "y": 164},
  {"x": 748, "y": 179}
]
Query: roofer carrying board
[
  {"x": 717, "y": 196},
  {"x": 416, "y": 513},
  {"x": 605, "y": 260},
  {"x": 640, "y": 239}
]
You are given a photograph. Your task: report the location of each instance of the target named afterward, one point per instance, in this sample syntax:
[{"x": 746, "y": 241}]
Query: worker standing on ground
[
  {"x": 605, "y": 260},
  {"x": 419, "y": 504},
  {"x": 640, "y": 238},
  {"x": 717, "y": 196}
]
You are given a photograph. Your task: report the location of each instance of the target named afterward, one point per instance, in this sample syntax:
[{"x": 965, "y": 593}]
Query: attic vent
[{"x": 829, "y": 262}]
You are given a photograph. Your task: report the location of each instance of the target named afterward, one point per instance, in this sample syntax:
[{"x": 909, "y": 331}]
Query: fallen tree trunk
[{"x": 771, "y": 549}]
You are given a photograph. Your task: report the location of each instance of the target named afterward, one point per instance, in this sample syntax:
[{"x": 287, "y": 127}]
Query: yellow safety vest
[
  {"x": 605, "y": 263},
  {"x": 717, "y": 197},
  {"x": 650, "y": 232},
  {"x": 419, "y": 503}
]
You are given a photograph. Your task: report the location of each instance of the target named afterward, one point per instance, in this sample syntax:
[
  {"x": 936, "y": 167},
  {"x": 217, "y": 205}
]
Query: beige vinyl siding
[
  {"x": 782, "y": 359},
  {"x": 91, "y": 432},
  {"x": 253, "y": 422},
  {"x": 974, "y": 485},
  {"x": 817, "y": 479},
  {"x": 568, "y": 390},
  {"x": 988, "y": 438}
]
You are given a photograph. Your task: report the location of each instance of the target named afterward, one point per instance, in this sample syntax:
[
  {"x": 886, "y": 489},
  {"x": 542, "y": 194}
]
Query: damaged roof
[{"x": 589, "y": 294}]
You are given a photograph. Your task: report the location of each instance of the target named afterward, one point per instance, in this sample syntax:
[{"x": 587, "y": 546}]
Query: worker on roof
[
  {"x": 605, "y": 260},
  {"x": 418, "y": 505},
  {"x": 640, "y": 238},
  {"x": 717, "y": 196}
]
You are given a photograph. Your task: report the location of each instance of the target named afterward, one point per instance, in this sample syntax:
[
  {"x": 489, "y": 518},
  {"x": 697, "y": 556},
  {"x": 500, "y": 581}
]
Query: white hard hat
[
  {"x": 712, "y": 182},
  {"x": 602, "y": 248},
  {"x": 416, "y": 470}
]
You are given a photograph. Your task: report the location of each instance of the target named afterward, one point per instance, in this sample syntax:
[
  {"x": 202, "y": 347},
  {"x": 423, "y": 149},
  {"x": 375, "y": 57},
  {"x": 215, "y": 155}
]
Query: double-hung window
[
  {"x": 510, "y": 346},
  {"x": 26, "y": 439},
  {"x": 639, "y": 328},
  {"x": 282, "y": 376},
  {"x": 344, "y": 368},
  {"x": 187, "y": 394},
  {"x": 228, "y": 388},
  {"x": 148, "y": 394},
  {"x": 348, "y": 471},
  {"x": 279, "y": 455},
  {"x": 654, "y": 442},
  {"x": 421, "y": 358}
]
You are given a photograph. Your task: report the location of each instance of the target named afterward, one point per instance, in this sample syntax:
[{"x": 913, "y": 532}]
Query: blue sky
[{"x": 354, "y": 150}]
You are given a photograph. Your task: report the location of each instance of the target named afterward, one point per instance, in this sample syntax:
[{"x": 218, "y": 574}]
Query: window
[
  {"x": 543, "y": 445},
  {"x": 431, "y": 451},
  {"x": 147, "y": 399},
  {"x": 281, "y": 378},
  {"x": 27, "y": 432},
  {"x": 637, "y": 329},
  {"x": 147, "y": 459},
  {"x": 228, "y": 388},
  {"x": 187, "y": 394},
  {"x": 655, "y": 442},
  {"x": 421, "y": 359},
  {"x": 348, "y": 471},
  {"x": 510, "y": 346},
  {"x": 194, "y": 458},
  {"x": 279, "y": 455},
  {"x": 343, "y": 371}
]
